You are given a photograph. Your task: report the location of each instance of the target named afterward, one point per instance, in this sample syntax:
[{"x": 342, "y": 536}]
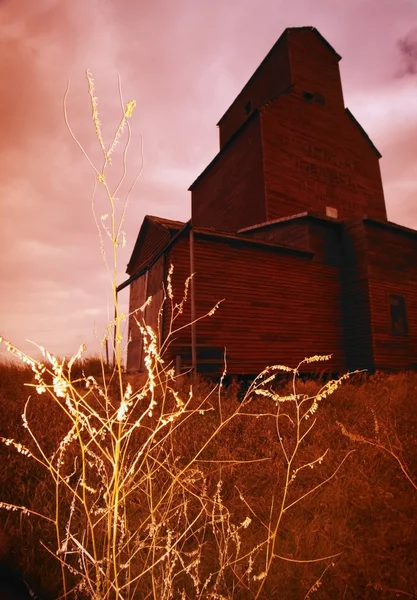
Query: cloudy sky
[{"x": 183, "y": 61}]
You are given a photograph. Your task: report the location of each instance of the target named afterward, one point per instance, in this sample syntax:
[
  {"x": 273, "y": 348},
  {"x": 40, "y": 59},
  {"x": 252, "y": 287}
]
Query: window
[
  {"x": 319, "y": 99},
  {"x": 398, "y": 315},
  {"x": 308, "y": 96}
]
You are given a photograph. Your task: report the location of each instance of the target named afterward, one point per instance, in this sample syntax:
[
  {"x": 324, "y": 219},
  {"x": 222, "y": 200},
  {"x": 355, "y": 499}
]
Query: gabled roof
[
  {"x": 319, "y": 35},
  {"x": 174, "y": 230},
  {"x": 285, "y": 33},
  {"x": 168, "y": 225}
]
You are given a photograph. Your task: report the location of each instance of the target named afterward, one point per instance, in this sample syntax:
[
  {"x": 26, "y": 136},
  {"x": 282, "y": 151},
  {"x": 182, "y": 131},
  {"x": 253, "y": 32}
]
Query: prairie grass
[
  {"x": 165, "y": 487},
  {"x": 366, "y": 512}
]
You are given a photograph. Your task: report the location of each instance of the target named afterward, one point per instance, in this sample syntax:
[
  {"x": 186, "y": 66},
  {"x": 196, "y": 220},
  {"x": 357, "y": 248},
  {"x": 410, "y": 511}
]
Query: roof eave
[
  {"x": 167, "y": 223},
  {"x": 142, "y": 271},
  {"x": 391, "y": 225},
  {"x": 363, "y": 132},
  {"x": 225, "y": 147},
  {"x": 303, "y": 215},
  {"x": 240, "y": 239}
]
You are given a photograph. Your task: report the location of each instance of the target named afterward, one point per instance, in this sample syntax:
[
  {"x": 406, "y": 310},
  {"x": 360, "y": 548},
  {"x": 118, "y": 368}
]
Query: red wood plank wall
[
  {"x": 308, "y": 166},
  {"x": 315, "y": 67},
  {"x": 269, "y": 80},
  {"x": 356, "y": 302},
  {"x": 325, "y": 241},
  {"x": 288, "y": 146},
  {"x": 149, "y": 284},
  {"x": 179, "y": 257},
  {"x": 278, "y": 308},
  {"x": 392, "y": 260},
  {"x": 230, "y": 193},
  {"x": 306, "y": 154},
  {"x": 320, "y": 237},
  {"x": 154, "y": 238},
  {"x": 137, "y": 297},
  {"x": 294, "y": 233}
]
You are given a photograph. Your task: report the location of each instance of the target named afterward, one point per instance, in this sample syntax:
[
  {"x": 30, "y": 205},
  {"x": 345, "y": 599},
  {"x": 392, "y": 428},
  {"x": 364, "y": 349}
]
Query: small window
[
  {"x": 248, "y": 107},
  {"x": 308, "y": 96},
  {"x": 319, "y": 99},
  {"x": 398, "y": 315}
]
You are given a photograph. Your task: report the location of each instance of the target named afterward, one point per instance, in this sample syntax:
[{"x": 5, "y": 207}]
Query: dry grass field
[{"x": 363, "y": 518}]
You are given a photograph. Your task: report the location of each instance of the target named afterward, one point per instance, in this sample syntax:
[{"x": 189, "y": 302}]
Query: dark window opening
[
  {"x": 248, "y": 107},
  {"x": 318, "y": 98},
  {"x": 398, "y": 315}
]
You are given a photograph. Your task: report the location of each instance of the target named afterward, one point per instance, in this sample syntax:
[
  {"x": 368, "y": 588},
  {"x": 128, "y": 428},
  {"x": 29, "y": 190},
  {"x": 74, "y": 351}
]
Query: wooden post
[
  {"x": 192, "y": 298},
  {"x": 114, "y": 334},
  {"x": 178, "y": 364},
  {"x": 141, "y": 353}
]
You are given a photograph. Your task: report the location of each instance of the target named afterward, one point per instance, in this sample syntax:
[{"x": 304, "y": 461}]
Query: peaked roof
[
  {"x": 285, "y": 33},
  {"x": 168, "y": 225}
]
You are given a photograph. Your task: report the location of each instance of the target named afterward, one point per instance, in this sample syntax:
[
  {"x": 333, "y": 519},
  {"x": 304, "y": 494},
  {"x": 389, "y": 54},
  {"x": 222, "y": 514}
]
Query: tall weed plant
[{"x": 139, "y": 510}]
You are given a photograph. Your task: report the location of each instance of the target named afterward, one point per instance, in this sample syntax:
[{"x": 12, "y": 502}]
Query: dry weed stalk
[
  {"x": 134, "y": 517},
  {"x": 392, "y": 450}
]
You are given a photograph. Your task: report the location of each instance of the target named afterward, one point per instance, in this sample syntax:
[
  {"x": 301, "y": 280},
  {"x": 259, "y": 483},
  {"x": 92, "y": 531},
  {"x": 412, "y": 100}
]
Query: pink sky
[{"x": 183, "y": 62}]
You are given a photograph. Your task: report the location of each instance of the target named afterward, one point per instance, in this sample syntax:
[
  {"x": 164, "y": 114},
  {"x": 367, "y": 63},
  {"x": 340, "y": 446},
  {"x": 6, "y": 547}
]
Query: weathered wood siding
[
  {"x": 356, "y": 300},
  {"x": 270, "y": 79},
  {"x": 282, "y": 306},
  {"x": 324, "y": 240},
  {"x": 137, "y": 298},
  {"x": 315, "y": 67},
  {"x": 179, "y": 257},
  {"x": 153, "y": 238},
  {"x": 278, "y": 307},
  {"x": 293, "y": 233},
  {"x": 300, "y": 58},
  {"x": 153, "y": 312},
  {"x": 308, "y": 166},
  {"x": 230, "y": 193},
  {"x": 392, "y": 266},
  {"x": 149, "y": 284},
  {"x": 288, "y": 146}
]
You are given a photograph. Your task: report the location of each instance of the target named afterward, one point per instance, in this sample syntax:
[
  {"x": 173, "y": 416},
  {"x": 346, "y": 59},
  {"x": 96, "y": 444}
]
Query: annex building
[{"x": 289, "y": 226}]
